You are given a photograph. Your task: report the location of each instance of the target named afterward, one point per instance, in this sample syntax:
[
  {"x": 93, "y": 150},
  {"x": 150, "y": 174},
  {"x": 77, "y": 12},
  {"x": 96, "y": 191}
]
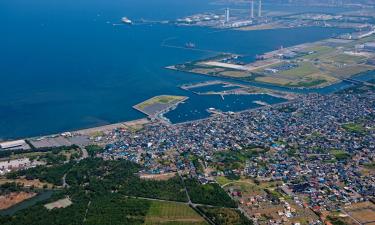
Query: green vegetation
[
  {"x": 10, "y": 187},
  {"x": 162, "y": 99},
  {"x": 116, "y": 209},
  {"x": 100, "y": 187},
  {"x": 121, "y": 176},
  {"x": 315, "y": 65},
  {"x": 303, "y": 69},
  {"x": 39, "y": 215},
  {"x": 21, "y": 152},
  {"x": 209, "y": 194},
  {"x": 307, "y": 84},
  {"x": 223, "y": 180},
  {"x": 172, "y": 213},
  {"x": 225, "y": 216},
  {"x": 370, "y": 166},
  {"x": 336, "y": 220},
  {"x": 94, "y": 149},
  {"x": 234, "y": 159},
  {"x": 348, "y": 59},
  {"x": 318, "y": 51},
  {"x": 340, "y": 154},
  {"x": 354, "y": 128},
  {"x": 52, "y": 174},
  {"x": 171, "y": 189}
]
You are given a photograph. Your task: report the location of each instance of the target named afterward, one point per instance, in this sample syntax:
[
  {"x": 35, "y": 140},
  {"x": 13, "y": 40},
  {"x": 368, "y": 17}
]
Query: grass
[
  {"x": 273, "y": 80},
  {"x": 318, "y": 51},
  {"x": 225, "y": 216},
  {"x": 370, "y": 166},
  {"x": 305, "y": 75},
  {"x": 303, "y": 69},
  {"x": 347, "y": 59},
  {"x": 235, "y": 74},
  {"x": 347, "y": 71},
  {"x": 247, "y": 187},
  {"x": 162, "y": 99},
  {"x": 172, "y": 213},
  {"x": 354, "y": 128},
  {"x": 223, "y": 180},
  {"x": 340, "y": 154}
]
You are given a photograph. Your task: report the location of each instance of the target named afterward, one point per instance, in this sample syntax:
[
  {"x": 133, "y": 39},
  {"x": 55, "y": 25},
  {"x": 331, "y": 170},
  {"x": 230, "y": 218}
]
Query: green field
[
  {"x": 340, "y": 154},
  {"x": 318, "y": 51},
  {"x": 223, "y": 180},
  {"x": 225, "y": 216},
  {"x": 354, "y": 128},
  {"x": 172, "y": 214},
  {"x": 162, "y": 99},
  {"x": 303, "y": 69}
]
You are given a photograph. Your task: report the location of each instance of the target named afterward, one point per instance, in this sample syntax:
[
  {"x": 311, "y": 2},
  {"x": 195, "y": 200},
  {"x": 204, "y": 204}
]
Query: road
[
  {"x": 65, "y": 185},
  {"x": 85, "y": 155},
  {"x": 194, "y": 206},
  {"x": 239, "y": 207}
]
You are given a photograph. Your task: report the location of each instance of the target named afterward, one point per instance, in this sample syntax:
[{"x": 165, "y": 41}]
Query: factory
[
  {"x": 226, "y": 19},
  {"x": 252, "y": 8}
]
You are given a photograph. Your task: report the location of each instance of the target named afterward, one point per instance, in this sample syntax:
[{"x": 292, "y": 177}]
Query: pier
[{"x": 201, "y": 84}]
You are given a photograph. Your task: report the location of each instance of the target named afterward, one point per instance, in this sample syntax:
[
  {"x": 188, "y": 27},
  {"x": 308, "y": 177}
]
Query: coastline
[
  {"x": 87, "y": 131},
  {"x": 131, "y": 123}
]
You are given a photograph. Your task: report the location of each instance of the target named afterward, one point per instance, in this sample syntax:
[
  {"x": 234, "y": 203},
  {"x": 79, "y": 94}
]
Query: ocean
[{"x": 65, "y": 66}]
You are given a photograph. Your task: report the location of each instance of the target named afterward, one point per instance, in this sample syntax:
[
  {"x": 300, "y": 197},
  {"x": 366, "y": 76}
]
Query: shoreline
[
  {"x": 127, "y": 124},
  {"x": 86, "y": 131}
]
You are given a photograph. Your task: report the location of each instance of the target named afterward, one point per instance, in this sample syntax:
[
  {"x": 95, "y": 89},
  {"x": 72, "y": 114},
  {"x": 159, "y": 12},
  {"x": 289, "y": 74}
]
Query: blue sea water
[
  {"x": 64, "y": 66},
  {"x": 197, "y": 107}
]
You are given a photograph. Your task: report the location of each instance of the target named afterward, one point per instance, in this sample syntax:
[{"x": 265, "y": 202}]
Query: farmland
[
  {"x": 172, "y": 213},
  {"x": 310, "y": 65}
]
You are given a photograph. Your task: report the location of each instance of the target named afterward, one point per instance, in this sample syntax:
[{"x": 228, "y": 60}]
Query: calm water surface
[{"x": 64, "y": 66}]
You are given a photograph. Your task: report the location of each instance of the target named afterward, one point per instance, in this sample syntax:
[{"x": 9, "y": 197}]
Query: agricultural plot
[
  {"x": 363, "y": 212},
  {"x": 172, "y": 214},
  {"x": 225, "y": 216},
  {"x": 311, "y": 65},
  {"x": 265, "y": 202}
]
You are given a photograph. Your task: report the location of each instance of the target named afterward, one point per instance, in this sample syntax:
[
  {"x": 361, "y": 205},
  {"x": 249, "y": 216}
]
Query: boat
[
  {"x": 126, "y": 20},
  {"x": 190, "y": 45}
]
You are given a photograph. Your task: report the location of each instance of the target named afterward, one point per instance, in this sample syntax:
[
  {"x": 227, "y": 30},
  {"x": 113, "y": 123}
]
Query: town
[
  {"x": 318, "y": 147},
  {"x": 283, "y": 134},
  {"x": 314, "y": 154}
]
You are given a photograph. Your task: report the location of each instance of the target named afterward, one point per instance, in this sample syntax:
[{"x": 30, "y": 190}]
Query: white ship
[{"x": 126, "y": 20}]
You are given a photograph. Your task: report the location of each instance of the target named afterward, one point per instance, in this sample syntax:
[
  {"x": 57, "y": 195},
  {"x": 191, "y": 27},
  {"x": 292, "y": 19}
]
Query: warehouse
[{"x": 13, "y": 145}]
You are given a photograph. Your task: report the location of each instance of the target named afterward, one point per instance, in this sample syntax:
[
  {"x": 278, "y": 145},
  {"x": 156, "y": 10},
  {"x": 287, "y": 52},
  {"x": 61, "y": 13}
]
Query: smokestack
[
  {"x": 260, "y": 8},
  {"x": 252, "y": 8},
  {"x": 227, "y": 15}
]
